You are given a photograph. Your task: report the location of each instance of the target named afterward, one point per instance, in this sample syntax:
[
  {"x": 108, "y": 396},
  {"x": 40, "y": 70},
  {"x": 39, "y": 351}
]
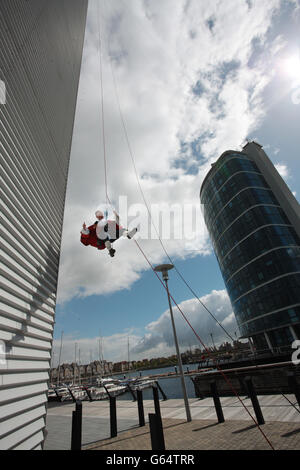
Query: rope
[
  {"x": 207, "y": 351},
  {"x": 147, "y": 206},
  {"x": 102, "y": 103},
  {"x": 137, "y": 244},
  {"x": 149, "y": 213},
  {"x": 204, "y": 346}
]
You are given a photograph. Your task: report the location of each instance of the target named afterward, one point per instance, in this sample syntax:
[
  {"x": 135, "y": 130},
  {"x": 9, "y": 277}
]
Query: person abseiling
[{"x": 103, "y": 233}]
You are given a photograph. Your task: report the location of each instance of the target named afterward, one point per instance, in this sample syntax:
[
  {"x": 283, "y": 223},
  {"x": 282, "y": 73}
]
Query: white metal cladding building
[{"x": 41, "y": 44}]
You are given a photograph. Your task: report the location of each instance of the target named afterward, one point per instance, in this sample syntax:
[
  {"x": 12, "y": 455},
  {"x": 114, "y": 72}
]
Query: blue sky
[{"x": 193, "y": 80}]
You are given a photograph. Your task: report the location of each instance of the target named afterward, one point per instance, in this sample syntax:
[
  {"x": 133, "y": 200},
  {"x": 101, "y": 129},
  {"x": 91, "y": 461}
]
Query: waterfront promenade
[{"x": 238, "y": 432}]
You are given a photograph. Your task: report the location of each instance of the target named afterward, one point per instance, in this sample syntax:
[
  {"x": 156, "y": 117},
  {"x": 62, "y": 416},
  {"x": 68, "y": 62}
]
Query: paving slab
[
  {"x": 239, "y": 431},
  {"x": 208, "y": 435}
]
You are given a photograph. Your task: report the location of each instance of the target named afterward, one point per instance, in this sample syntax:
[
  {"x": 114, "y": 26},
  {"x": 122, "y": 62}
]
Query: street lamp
[
  {"x": 212, "y": 339},
  {"x": 164, "y": 268}
]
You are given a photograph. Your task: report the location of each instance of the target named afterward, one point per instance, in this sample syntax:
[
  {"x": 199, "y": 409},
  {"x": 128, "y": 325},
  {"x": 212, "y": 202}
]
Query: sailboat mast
[
  {"x": 79, "y": 370},
  {"x": 128, "y": 354},
  {"x": 100, "y": 358},
  {"x": 75, "y": 365}
]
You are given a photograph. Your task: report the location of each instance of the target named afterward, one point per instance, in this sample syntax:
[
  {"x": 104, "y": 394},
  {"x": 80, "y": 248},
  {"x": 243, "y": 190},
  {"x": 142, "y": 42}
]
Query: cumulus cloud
[
  {"x": 160, "y": 333},
  {"x": 285, "y": 173},
  {"x": 159, "y": 340},
  {"x": 188, "y": 89},
  {"x": 282, "y": 170}
]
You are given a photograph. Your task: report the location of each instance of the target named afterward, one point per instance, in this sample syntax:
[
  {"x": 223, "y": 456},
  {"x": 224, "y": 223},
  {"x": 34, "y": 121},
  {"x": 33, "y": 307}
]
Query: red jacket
[{"x": 92, "y": 239}]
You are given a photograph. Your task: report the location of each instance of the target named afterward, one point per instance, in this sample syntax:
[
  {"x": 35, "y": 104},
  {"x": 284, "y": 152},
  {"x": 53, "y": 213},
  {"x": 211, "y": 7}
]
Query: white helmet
[{"x": 99, "y": 214}]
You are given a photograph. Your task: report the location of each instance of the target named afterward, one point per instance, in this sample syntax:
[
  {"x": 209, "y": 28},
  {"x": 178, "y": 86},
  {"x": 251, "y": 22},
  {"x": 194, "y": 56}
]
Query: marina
[
  {"x": 106, "y": 387},
  {"x": 104, "y": 420},
  {"x": 123, "y": 385}
]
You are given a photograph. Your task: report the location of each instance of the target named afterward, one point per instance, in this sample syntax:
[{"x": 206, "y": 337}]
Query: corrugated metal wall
[{"x": 41, "y": 45}]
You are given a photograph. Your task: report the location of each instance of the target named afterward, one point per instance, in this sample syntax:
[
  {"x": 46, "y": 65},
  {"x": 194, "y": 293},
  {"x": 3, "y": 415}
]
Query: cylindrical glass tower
[{"x": 253, "y": 221}]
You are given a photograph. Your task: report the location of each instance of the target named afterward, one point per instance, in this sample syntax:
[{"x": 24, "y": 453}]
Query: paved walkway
[
  {"x": 282, "y": 427},
  {"x": 208, "y": 435}
]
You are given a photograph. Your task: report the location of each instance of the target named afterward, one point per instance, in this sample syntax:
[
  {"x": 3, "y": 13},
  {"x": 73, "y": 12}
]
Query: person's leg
[
  {"x": 108, "y": 245},
  {"x": 129, "y": 233}
]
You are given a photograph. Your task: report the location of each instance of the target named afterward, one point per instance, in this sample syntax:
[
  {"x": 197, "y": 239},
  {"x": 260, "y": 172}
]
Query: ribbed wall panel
[
  {"x": 20, "y": 257},
  {"x": 17, "y": 407},
  {"x": 41, "y": 45}
]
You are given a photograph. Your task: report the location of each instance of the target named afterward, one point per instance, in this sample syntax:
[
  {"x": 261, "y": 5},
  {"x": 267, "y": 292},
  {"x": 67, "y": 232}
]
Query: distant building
[
  {"x": 122, "y": 366},
  {"x": 40, "y": 56},
  {"x": 107, "y": 367},
  {"x": 75, "y": 372},
  {"x": 254, "y": 224},
  {"x": 66, "y": 372},
  {"x": 96, "y": 367}
]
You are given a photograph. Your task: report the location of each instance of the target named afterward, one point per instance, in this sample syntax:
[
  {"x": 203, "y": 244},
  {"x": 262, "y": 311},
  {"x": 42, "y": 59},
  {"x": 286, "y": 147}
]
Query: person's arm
[
  {"x": 85, "y": 230},
  {"x": 117, "y": 218}
]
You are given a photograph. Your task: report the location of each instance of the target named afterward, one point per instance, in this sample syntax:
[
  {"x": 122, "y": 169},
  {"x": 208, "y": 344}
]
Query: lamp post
[
  {"x": 58, "y": 382},
  {"x": 164, "y": 268},
  {"x": 212, "y": 339}
]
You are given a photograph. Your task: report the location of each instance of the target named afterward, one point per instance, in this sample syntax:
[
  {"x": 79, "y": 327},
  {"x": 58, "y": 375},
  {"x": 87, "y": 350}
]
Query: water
[{"x": 171, "y": 386}]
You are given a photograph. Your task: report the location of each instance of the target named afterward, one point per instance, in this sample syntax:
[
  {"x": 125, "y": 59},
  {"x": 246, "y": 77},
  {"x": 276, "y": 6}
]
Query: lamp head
[{"x": 164, "y": 268}]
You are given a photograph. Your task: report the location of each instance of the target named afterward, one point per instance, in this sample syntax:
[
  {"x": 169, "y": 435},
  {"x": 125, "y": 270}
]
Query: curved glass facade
[{"x": 257, "y": 248}]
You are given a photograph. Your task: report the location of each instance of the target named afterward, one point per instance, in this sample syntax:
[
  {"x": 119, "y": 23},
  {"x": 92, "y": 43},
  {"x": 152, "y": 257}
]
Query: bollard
[
  {"x": 161, "y": 391},
  {"x": 113, "y": 416},
  {"x": 254, "y": 400},
  {"x": 156, "y": 432},
  {"x": 88, "y": 392},
  {"x": 76, "y": 427},
  {"x": 156, "y": 402},
  {"x": 242, "y": 386},
  {"x": 199, "y": 394},
  {"x": 109, "y": 396},
  {"x": 217, "y": 402},
  {"x": 58, "y": 395},
  {"x": 293, "y": 384},
  {"x": 72, "y": 395},
  {"x": 140, "y": 407},
  {"x": 132, "y": 392}
]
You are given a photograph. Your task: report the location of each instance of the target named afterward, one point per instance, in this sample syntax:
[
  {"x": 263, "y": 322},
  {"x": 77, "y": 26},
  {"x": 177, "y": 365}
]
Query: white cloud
[
  {"x": 161, "y": 333},
  {"x": 282, "y": 170},
  {"x": 296, "y": 4},
  {"x": 160, "y": 51},
  {"x": 159, "y": 340}
]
